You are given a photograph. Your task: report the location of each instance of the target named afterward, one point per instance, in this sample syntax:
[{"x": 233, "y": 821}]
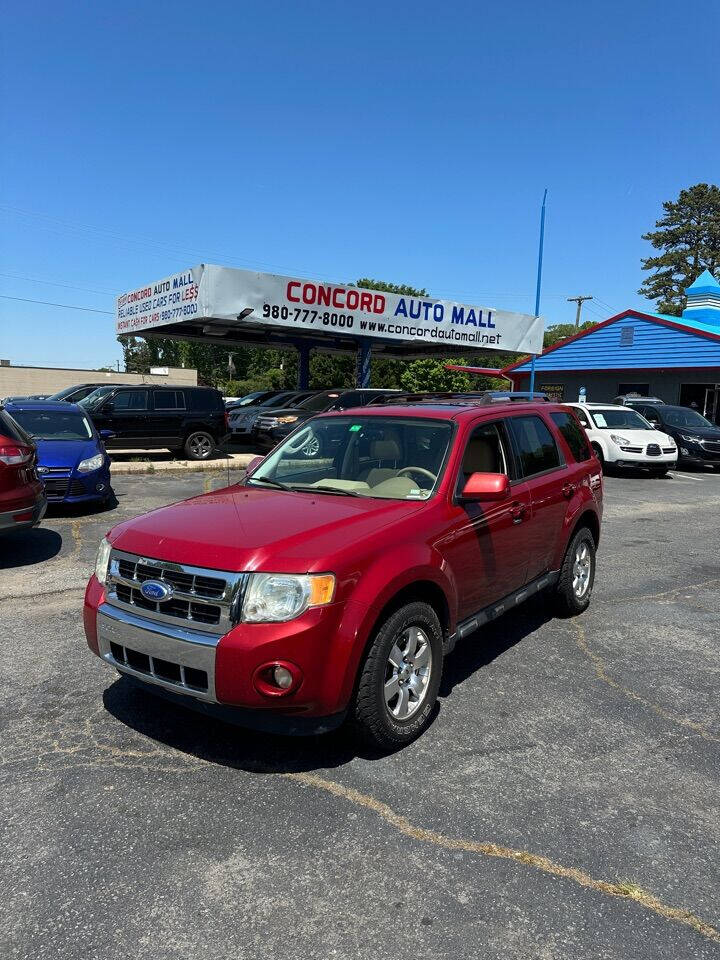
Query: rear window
[
  {"x": 574, "y": 435},
  {"x": 9, "y": 428},
  {"x": 205, "y": 400},
  {"x": 535, "y": 445}
]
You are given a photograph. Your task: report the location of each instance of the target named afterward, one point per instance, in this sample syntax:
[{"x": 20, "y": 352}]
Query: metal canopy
[{"x": 231, "y": 307}]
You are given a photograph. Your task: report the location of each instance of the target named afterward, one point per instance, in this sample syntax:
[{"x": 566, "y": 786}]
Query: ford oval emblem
[{"x": 157, "y": 591}]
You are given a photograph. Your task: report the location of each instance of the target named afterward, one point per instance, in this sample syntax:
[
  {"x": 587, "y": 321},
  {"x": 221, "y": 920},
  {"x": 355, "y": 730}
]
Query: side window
[
  {"x": 581, "y": 417},
  {"x": 131, "y": 400},
  {"x": 536, "y": 448},
  {"x": 352, "y": 399},
  {"x": 169, "y": 399},
  {"x": 486, "y": 452},
  {"x": 573, "y": 434}
]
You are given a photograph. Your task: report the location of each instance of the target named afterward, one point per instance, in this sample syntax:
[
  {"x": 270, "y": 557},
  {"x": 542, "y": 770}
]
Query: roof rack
[{"x": 448, "y": 397}]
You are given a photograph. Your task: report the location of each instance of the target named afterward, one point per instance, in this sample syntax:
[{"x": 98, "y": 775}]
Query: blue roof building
[{"x": 674, "y": 358}]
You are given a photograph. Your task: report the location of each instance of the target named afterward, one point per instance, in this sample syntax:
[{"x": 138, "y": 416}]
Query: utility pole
[{"x": 579, "y": 301}]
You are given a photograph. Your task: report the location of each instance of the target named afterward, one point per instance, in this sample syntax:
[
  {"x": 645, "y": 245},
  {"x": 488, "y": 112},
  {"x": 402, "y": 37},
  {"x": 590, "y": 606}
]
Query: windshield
[
  {"x": 684, "y": 417},
  {"x": 319, "y": 401},
  {"x": 613, "y": 418},
  {"x": 53, "y": 425},
  {"x": 94, "y": 399},
  {"x": 249, "y": 398},
  {"x": 61, "y": 394},
  {"x": 390, "y": 457}
]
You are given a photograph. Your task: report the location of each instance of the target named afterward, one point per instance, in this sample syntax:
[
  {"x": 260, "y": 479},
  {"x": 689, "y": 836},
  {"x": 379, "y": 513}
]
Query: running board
[{"x": 470, "y": 624}]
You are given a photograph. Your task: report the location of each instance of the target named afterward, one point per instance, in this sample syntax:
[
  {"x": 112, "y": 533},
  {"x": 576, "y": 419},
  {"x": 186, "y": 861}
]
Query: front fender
[{"x": 387, "y": 575}]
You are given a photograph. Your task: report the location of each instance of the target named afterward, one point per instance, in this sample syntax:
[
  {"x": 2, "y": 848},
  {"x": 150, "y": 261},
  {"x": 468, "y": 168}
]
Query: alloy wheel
[{"x": 407, "y": 673}]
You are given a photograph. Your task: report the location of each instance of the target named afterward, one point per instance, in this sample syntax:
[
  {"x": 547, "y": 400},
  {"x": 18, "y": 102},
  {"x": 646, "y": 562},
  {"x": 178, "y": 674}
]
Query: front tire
[
  {"x": 199, "y": 445},
  {"x": 400, "y": 678},
  {"x": 577, "y": 575}
]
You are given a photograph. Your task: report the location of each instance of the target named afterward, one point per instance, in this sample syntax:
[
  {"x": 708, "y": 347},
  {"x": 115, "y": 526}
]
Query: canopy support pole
[
  {"x": 303, "y": 349},
  {"x": 364, "y": 355}
]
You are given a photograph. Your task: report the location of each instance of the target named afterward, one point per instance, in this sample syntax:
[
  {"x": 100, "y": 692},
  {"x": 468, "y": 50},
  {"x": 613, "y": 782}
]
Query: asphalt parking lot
[{"x": 564, "y": 803}]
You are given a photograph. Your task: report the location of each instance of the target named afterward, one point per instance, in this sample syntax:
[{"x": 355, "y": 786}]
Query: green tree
[
  {"x": 689, "y": 237},
  {"x": 561, "y": 331}
]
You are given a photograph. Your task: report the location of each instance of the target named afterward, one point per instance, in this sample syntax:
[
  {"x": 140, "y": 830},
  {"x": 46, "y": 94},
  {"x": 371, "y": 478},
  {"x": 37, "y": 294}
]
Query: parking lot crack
[
  {"x": 602, "y": 675},
  {"x": 621, "y": 890}
]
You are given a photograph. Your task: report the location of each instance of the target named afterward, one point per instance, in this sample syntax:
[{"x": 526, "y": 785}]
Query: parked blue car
[{"x": 72, "y": 462}]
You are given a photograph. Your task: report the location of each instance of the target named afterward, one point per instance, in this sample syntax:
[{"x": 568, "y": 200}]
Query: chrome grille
[
  {"x": 713, "y": 445},
  {"x": 653, "y": 450},
  {"x": 264, "y": 423},
  {"x": 203, "y": 599}
]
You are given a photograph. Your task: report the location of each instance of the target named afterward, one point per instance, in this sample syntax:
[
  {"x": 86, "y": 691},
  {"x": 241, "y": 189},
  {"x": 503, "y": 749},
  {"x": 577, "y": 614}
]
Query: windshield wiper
[
  {"x": 274, "y": 483},
  {"x": 323, "y": 489}
]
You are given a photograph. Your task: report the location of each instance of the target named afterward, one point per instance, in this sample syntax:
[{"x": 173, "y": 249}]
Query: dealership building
[{"x": 674, "y": 358}]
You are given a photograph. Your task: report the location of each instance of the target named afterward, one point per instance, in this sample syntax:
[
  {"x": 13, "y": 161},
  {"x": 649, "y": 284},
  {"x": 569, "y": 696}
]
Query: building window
[
  {"x": 638, "y": 389},
  {"x": 627, "y": 336}
]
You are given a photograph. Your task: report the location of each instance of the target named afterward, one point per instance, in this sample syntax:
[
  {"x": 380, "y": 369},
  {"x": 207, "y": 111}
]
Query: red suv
[
  {"x": 332, "y": 587},
  {"x": 22, "y": 500}
]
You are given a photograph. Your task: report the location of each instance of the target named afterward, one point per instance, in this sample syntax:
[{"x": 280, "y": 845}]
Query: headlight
[
  {"x": 92, "y": 463},
  {"x": 102, "y": 560},
  {"x": 277, "y": 597},
  {"x": 690, "y": 439},
  {"x": 286, "y": 419},
  {"x": 616, "y": 438}
]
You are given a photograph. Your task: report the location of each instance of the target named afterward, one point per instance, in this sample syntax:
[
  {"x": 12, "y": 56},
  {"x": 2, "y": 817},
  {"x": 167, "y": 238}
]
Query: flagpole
[{"x": 537, "y": 289}]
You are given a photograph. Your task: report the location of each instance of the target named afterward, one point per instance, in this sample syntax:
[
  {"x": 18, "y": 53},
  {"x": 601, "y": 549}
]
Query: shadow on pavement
[
  {"x": 27, "y": 547},
  {"x": 476, "y": 651},
  {"x": 237, "y": 747},
  {"x": 226, "y": 744}
]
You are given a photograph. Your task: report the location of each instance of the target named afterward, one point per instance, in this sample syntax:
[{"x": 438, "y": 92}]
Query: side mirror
[
  {"x": 486, "y": 486},
  {"x": 107, "y": 434},
  {"x": 253, "y": 465}
]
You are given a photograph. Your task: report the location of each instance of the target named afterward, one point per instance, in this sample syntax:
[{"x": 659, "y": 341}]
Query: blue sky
[{"x": 407, "y": 141}]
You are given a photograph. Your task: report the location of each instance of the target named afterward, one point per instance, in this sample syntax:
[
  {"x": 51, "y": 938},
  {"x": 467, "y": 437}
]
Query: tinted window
[
  {"x": 169, "y": 399},
  {"x": 582, "y": 417},
  {"x": 9, "y": 428},
  {"x": 206, "y": 400},
  {"x": 319, "y": 402},
  {"x": 352, "y": 399},
  {"x": 682, "y": 417},
  {"x": 574, "y": 435},
  {"x": 536, "y": 448},
  {"x": 131, "y": 400}
]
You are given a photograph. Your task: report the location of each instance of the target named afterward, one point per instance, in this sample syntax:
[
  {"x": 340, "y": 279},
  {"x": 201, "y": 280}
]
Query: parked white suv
[{"x": 621, "y": 437}]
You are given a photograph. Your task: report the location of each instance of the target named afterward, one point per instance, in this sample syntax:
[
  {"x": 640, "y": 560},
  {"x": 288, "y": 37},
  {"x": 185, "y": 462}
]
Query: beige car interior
[{"x": 387, "y": 479}]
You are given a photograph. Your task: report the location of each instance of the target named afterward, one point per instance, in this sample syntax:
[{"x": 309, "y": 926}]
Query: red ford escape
[
  {"x": 322, "y": 589},
  {"x": 22, "y": 500}
]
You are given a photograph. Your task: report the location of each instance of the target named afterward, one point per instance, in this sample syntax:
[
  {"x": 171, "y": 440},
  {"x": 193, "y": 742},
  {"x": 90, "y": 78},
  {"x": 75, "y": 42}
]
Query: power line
[
  {"x": 58, "y": 283},
  {"x": 65, "y": 306}
]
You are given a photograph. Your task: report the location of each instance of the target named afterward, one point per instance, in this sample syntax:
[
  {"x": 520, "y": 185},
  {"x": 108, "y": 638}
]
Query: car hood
[
  {"x": 705, "y": 433},
  {"x": 287, "y": 411},
  {"x": 637, "y": 437},
  {"x": 245, "y": 528},
  {"x": 65, "y": 453}
]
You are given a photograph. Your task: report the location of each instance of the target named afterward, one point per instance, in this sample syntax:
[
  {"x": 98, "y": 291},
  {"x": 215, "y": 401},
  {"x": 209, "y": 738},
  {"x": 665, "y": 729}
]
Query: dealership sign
[{"x": 242, "y": 298}]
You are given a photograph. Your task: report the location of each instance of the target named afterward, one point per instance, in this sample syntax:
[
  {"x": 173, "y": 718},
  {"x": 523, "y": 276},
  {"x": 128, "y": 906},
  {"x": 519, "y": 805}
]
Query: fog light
[
  {"x": 279, "y": 678},
  {"x": 684, "y": 451},
  {"x": 282, "y": 677},
  {"x": 99, "y": 487}
]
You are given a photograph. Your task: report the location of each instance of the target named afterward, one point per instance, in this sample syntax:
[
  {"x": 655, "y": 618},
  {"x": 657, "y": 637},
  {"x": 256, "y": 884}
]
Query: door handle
[
  {"x": 517, "y": 511},
  {"x": 568, "y": 490}
]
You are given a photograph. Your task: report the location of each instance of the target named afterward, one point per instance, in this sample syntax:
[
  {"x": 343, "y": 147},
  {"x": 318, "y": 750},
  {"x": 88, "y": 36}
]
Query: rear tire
[
  {"x": 199, "y": 445},
  {"x": 577, "y": 575},
  {"x": 400, "y": 678}
]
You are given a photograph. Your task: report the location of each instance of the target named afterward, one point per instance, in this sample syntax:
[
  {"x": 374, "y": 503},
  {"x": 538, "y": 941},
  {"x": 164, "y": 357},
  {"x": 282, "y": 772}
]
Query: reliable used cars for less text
[{"x": 330, "y": 588}]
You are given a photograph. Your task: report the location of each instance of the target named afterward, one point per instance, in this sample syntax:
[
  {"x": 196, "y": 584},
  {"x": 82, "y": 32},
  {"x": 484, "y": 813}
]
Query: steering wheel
[{"x": 421, "y": 470}]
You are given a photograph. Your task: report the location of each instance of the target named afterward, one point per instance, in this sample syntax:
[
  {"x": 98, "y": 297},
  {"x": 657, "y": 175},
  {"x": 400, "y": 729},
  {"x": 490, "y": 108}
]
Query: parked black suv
[
  {"x": 697, "y": 439},
  {"x": 272, "y": 426},
  {"x": 181, "y": 419},
  {"x": 79, "y": 391}
]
